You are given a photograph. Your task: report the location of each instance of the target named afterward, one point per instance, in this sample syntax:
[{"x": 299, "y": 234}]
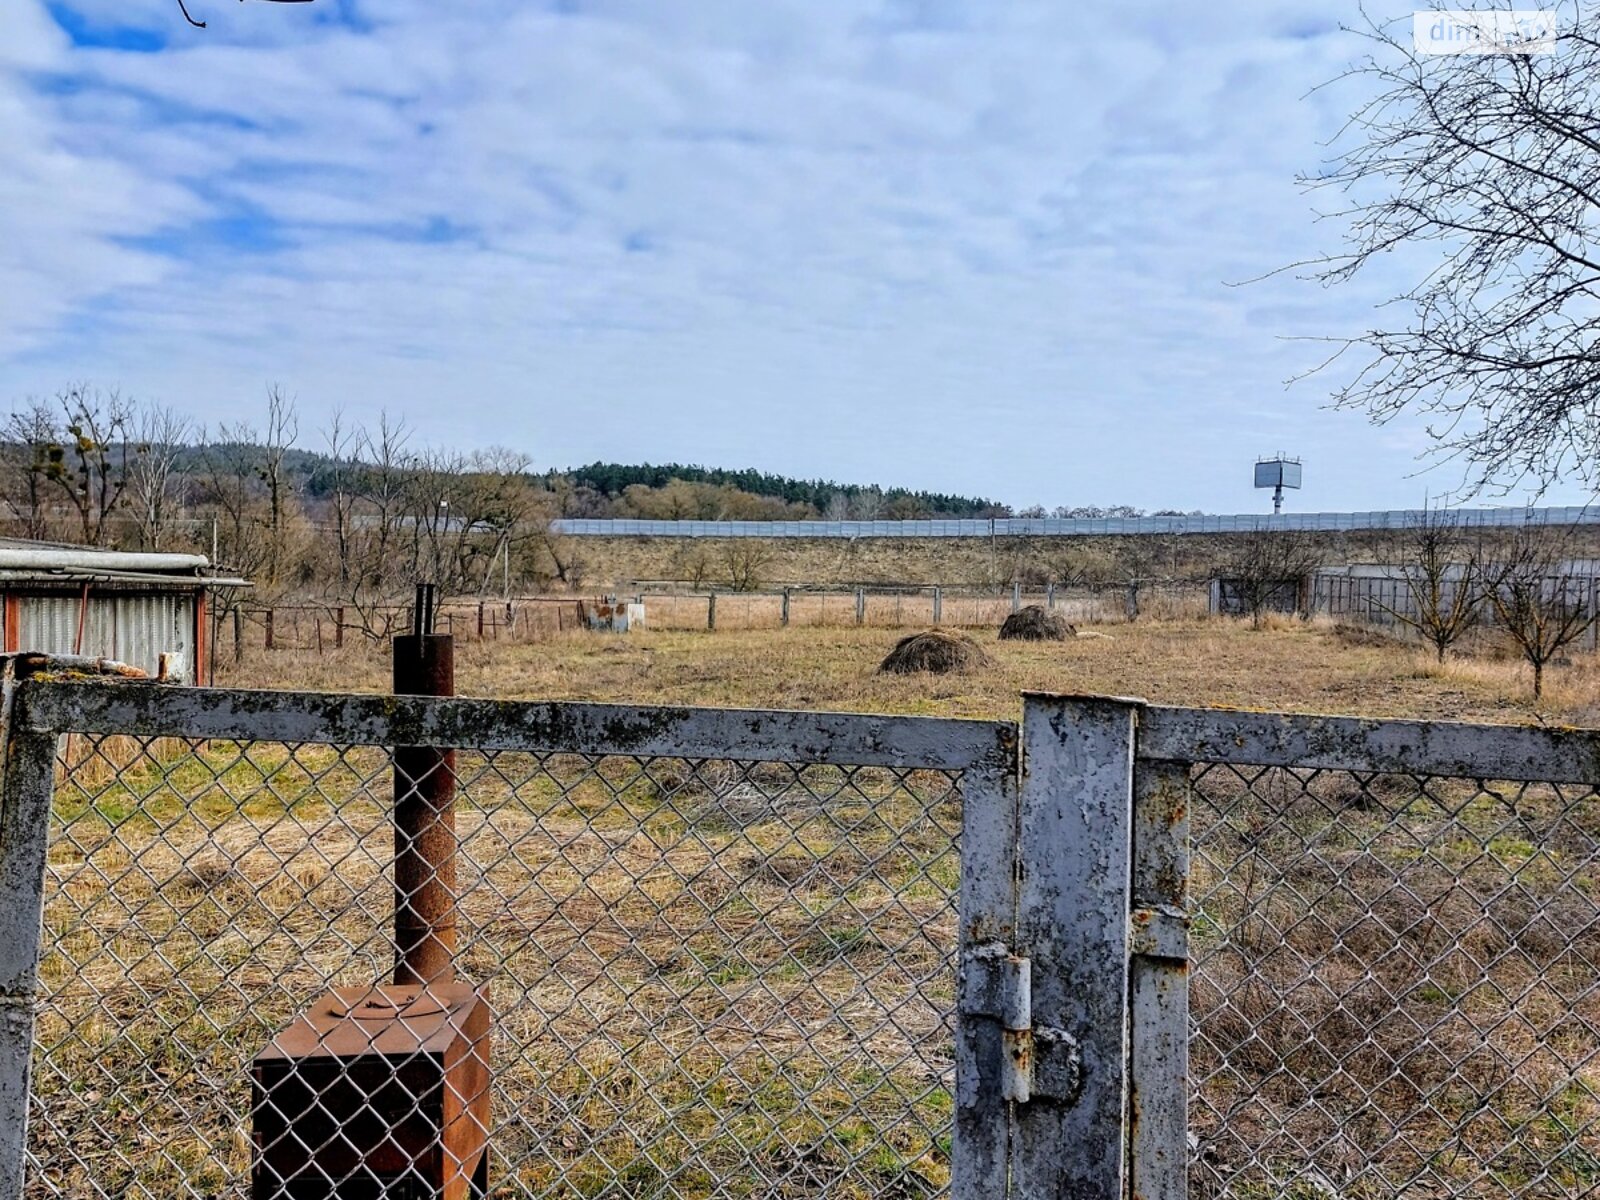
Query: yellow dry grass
[{"x": 1289, "y": 665}]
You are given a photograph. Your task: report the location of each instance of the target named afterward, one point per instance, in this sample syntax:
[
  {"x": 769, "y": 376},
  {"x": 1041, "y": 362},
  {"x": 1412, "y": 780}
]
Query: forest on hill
[{"x": 354, "y": 514}]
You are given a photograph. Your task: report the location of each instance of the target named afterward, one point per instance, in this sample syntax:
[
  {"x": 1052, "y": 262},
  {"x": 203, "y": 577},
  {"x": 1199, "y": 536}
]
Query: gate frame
[
  {"x": 1071, "y": 1034},
  {"x": 37, "y": 709}
]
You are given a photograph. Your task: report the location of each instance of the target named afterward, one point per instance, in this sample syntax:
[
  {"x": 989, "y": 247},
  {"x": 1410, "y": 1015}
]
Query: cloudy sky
[{"x": 984, "y": 246}]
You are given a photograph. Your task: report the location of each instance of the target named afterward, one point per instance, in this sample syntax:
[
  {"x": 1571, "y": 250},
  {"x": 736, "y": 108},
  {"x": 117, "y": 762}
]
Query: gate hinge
[{"x": 1036, "y": 1061}]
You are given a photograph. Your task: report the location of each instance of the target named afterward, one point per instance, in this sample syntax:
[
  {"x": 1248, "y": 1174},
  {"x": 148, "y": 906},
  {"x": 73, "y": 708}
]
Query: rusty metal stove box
[{"x": 382, "y": 1091}]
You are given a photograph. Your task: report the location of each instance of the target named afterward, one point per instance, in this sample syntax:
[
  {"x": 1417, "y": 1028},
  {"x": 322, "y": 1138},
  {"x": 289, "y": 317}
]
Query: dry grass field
[
  {"x": 716, "y": 979},
  {"x": 1290, "y": 665}
]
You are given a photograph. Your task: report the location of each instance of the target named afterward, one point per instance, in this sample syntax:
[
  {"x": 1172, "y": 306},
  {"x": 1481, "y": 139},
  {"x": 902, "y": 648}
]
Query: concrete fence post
[
  {"x": 25, "y": 796},
  {"x": 1016, "y": 594},
  {"x": 861, "y": 606},
  {"x": 1075, "y": 841},
  {"x": 1050, "y": 595},
  {"x": 711, "y": 612},
  {"x": 938, "y": 605}
]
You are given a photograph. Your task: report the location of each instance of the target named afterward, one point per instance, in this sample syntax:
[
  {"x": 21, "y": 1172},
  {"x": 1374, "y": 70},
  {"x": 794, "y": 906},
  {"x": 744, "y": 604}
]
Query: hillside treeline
[
  {"x": 354, "y": 514},
  {"x": 674, "y": 491}
]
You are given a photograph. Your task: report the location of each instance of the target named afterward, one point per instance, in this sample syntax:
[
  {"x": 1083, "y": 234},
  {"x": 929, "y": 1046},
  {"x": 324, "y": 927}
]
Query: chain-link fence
[
  {"x": 707, "y": 953},
  {"x": 708, "y": 977},
  {"x": 1396, "y": 985}
]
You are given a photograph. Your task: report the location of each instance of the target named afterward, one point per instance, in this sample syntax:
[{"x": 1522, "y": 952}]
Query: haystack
[
  {"x": 934, "y": 651},
  {"x": 1035, "y": 623}
]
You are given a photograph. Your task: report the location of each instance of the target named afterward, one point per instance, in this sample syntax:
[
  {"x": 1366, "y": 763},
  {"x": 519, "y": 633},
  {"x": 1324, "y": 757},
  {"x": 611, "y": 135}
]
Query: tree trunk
[{"x": 1538, "y": 679}]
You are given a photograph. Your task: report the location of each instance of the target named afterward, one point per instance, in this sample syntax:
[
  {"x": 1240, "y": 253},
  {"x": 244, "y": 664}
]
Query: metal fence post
[
  {"x": 25, "y": 795},
  {"x": 1075, "y": 842},
  {"x": 424, "y": 813},
  {"x": 1159, "y": 993}
]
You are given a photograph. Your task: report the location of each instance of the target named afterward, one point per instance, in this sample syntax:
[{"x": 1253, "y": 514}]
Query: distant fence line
[
  {"x": 324, "y": 627},
  {"x": 1325, "y": 522},
  {"x": 915, "y": 606}
]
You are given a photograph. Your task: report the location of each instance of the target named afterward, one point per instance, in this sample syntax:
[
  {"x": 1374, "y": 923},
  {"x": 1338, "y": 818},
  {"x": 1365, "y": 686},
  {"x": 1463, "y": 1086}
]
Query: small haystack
[
  {"x": 1036, "y": 624},
  {"x": 935, "y": 651}
]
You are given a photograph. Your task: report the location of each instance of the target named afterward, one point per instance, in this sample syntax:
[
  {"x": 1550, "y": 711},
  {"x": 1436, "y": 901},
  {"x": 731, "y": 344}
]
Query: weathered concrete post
[
  {"x": 711, "y": 612},
  {"x": 1075, "y": 833},
  {"x": 861, "y": 606}
]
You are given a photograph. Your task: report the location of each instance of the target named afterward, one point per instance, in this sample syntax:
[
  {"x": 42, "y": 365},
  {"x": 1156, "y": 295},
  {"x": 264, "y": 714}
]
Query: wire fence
[
  {"x": 324, "y": 627},
  {"x": 1396, "y": 985},
  {"x": 716, "y": 951},
  {"x": 916, "y": 606},
  {"x": 709, "y": 977}
]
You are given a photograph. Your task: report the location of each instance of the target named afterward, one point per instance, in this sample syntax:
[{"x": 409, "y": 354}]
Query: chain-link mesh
[
  {"x": 706, "y": 978},
  {"x": 1396, "y": 986}
]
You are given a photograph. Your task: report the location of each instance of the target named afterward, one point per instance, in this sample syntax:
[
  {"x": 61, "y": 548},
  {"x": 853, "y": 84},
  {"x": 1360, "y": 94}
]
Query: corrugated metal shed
[{"x": 134, "y": 607}]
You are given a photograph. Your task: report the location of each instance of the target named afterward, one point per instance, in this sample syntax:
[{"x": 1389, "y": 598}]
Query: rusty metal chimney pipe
[{"x": 424, "y": 813}]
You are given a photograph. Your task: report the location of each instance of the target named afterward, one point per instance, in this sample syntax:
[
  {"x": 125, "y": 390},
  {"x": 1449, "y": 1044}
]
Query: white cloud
[{"x": 787, "y": 234}]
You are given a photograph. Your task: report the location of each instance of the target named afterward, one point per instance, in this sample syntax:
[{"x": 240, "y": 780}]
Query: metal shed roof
[{"x": 46, "y": 562}]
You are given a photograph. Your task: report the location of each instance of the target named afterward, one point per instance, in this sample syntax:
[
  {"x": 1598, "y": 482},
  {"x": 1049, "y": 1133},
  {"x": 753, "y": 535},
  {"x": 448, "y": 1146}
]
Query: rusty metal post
[{"x": 424, "y": 812}]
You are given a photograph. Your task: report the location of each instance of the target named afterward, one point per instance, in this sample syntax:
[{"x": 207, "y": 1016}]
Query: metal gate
[{"x": 756, "y": 953}]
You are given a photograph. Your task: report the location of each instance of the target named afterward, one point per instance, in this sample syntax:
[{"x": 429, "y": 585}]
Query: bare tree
[
  {"x": 283, "y": 428},
  {"x": 28, "y": 434},
  {"x": 89, "y": 463},
  {"x": 1443, "y": 579},
  {"x": 1491, "y": 163},
  {"x": 1543, "y": 604},
  {"x": 343, "y": 446},
  {"x": 744, "y": 560},
  {"x": 1269, "y": 568},
  {"x": 229, "y": 482},
  {"x": 156, "y": 474}
]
